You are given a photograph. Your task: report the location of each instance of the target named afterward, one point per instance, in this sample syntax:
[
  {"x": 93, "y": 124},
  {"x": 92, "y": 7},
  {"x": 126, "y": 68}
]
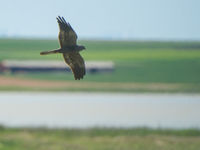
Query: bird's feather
[
  {"x": 67, "y": 36},
  {"x": 76, "y": 63}
]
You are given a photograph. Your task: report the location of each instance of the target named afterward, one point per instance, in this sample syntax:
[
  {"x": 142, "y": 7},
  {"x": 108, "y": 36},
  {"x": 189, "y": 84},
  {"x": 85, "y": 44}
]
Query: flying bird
[{"x": 69, "y": 48}]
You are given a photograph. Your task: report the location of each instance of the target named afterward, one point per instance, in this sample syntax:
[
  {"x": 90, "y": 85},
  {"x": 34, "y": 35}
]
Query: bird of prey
[{"x": 69, "y": 48}]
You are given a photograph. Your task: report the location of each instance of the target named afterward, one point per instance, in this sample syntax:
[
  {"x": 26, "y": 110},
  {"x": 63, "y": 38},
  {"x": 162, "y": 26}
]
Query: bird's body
[{"x": 70, "y": 50}]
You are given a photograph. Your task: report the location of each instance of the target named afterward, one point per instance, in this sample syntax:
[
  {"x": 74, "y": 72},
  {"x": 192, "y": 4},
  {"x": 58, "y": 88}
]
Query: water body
[{"x": 99, "y": 110}]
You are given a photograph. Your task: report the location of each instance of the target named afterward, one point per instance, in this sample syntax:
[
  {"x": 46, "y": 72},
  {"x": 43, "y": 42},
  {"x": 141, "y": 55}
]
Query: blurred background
[{"x": 143, "y": 67}]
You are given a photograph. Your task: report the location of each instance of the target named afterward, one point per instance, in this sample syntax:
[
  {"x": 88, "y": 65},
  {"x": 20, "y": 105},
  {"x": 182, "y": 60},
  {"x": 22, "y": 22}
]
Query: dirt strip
[{"x": 33, "y": 83}]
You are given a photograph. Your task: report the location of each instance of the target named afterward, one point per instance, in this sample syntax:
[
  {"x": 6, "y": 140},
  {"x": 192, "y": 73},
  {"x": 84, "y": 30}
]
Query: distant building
[{"x": 16, "y": 66}]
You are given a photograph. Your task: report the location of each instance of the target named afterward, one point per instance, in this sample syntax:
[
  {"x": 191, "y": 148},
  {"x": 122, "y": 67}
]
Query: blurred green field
[
  {"x": 98, "y": 139},
  {"x": 135, "y": 61}
]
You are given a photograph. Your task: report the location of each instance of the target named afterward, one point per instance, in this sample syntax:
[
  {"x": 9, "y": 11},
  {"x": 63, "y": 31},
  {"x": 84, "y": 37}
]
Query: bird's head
[{"x": 81, "y": 47}]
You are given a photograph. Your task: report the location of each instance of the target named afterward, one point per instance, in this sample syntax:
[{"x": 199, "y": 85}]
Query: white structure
[{"x": 44, "y": 65}]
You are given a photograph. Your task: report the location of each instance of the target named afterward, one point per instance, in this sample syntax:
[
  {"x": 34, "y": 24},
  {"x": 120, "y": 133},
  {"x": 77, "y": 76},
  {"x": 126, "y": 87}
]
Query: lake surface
[{"x": 99, "y": 110}]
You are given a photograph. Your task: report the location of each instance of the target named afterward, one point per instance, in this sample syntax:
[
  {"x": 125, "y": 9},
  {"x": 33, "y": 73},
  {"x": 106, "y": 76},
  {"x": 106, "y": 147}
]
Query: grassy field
[
  {"x": 136, "y": 63},
  {"x": 98, "y": 139},
  {"x": 140, "y": 67}
]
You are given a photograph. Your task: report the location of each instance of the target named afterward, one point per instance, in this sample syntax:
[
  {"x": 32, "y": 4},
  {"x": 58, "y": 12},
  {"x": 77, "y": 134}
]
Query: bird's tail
[{"x": 50, "y": 52}]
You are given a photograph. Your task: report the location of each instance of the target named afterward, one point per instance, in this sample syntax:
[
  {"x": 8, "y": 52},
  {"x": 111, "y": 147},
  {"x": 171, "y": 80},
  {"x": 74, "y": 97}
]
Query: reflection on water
[{"x": 99, "y": 109}]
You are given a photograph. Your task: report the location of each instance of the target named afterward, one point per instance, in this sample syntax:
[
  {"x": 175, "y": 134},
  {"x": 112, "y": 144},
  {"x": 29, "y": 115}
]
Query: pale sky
[{"x": 103, "y": 19}]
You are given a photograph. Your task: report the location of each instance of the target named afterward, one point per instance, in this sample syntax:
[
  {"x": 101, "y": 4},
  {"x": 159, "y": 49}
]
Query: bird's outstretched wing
[
  {"x": 76, "y": 63},
  {"x": 67, "y": 36}
]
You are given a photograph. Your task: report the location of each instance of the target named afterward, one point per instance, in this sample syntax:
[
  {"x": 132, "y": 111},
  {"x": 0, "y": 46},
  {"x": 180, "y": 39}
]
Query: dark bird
[{"x": 69, "y": 48}]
